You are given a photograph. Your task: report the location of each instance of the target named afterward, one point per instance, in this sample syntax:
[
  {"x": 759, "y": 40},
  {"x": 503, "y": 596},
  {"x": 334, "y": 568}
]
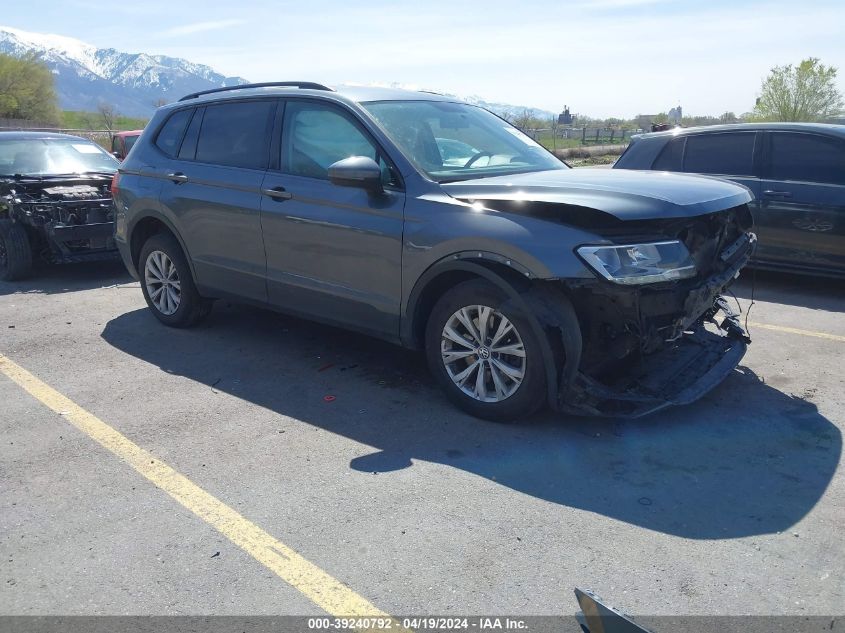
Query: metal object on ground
[{"x": 597, "y": 617}]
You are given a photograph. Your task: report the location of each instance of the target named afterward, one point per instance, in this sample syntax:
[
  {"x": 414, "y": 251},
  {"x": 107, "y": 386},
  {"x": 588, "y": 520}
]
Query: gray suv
[{"x": 436, "y": 225}]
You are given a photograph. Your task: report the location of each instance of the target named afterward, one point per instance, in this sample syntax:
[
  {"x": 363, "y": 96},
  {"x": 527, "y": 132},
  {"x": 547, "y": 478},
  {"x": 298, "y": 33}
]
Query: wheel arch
[
  {"x": 147, "y": 226},
  {"x": 542, "y": 301}
]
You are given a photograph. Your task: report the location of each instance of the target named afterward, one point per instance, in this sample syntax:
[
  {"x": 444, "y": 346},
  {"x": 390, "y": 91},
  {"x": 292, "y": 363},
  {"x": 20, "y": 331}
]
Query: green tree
[
  {"x": 806, "y": 92},
  {"x": 26, "y": 89}
]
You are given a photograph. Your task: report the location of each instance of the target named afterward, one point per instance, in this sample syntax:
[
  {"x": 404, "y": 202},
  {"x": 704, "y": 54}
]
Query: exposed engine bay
[
  {"x": 643, "y": 348},
  {"x": 66, "y": 219}
]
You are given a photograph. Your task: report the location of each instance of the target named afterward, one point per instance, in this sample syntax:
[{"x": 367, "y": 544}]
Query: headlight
[{"x": 640, "y": 263}]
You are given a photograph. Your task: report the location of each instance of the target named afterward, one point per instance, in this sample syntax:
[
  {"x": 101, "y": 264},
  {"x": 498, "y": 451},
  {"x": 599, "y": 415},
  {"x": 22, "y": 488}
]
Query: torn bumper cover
[
  {"x": 700, "y": 345},
  {"x": 679, "y": 374}
]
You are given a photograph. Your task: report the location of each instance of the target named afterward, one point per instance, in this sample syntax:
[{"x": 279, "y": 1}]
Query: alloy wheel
[
  {"x": 483, "y": 353},
  {"x": 162, "y": 281}
]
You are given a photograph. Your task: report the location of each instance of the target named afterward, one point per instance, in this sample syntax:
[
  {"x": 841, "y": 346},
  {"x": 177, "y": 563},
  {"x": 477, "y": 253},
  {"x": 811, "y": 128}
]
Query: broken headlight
[{"x": 640, "y": 263}]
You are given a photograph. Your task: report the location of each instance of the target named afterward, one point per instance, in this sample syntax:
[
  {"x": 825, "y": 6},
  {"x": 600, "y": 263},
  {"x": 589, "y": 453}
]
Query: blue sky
[{"x": 600, "y": 57}]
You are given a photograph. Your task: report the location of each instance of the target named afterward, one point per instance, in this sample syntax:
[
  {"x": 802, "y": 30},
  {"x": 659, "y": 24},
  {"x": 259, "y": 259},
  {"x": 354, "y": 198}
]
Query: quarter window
[
  {"x": 170, "y": 136},
  {"x": 189, "y": 145},
  {"x": 731, "y": 154},
  {"x": 671, "y": 156},
  {"x": 236, "y": 134},
  {"x": 807, "y": 158}
]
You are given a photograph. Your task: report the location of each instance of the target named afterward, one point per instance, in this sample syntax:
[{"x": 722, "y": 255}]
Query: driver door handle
[
  {"x": 277, "y": 193},
  {"x": 777, "y": 194},
  {"x": 177, "y": 177}
]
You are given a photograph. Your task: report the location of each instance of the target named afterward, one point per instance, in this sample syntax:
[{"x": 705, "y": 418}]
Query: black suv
[
  {"x": 437, "y": 225},
  {"x": 796, "y": 172}
]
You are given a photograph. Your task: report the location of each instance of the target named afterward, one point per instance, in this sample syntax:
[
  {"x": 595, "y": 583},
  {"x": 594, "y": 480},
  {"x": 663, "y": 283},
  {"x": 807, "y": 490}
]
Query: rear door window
[
  {"x": 807, "y": 158},
  {"x": 729, "y": 154},
  {"x": 236, "y": 134}
]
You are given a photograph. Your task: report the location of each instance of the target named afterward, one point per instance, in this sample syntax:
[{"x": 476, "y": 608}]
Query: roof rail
[{"x": 304, "y": 85}]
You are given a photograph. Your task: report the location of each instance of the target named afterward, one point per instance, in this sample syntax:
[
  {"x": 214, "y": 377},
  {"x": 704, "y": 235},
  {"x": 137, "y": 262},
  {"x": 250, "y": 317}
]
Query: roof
[
  {"x": 370, "y": 93},
  {"x": 359, "y": 94},
  {"x": 123, "y": 133},
  {"x": 827, "y": 128},
  {"x": 20, "y": 135}
]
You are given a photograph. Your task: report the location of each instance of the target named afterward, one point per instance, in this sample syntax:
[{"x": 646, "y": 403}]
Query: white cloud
[{"x": 201, "y": 27}]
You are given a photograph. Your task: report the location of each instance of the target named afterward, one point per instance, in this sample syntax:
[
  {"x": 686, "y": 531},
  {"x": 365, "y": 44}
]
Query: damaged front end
[
  {"x": 67, "y": 220},
  {"x": 648, "y": 346}
]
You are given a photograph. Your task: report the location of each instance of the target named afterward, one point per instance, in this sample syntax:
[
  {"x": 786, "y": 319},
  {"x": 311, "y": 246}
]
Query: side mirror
[
  {"x": 356, "y": 171},
  {"x": 117, "y": 155}
]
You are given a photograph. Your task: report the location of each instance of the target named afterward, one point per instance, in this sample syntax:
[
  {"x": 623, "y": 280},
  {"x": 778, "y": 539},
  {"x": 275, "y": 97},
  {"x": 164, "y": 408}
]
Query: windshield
[
  {"x": 457, "y": 141},
  {"x": 44, "y": 157}
]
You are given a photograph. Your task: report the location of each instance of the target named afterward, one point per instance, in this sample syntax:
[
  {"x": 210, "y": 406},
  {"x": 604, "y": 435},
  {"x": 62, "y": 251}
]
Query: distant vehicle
[
  {"x": 122, "y": 142},
  {"x": 55, "y": 202},
  {"x": 437, "y": 225},
  {"x": 796, "y": 172}
]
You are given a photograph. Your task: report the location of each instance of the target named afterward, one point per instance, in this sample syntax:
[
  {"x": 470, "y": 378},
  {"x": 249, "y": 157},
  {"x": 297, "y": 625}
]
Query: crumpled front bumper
[
  {"x": 683, "y": 370},
  {"x": 678, "y": 374}
]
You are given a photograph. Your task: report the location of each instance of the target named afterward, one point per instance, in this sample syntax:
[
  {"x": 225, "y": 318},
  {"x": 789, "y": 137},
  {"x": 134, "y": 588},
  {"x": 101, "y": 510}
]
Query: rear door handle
[
  {"x": 177, "y": 177},
  {"x": 277, "y": 193},
  {"x": 777, "y": 194}
]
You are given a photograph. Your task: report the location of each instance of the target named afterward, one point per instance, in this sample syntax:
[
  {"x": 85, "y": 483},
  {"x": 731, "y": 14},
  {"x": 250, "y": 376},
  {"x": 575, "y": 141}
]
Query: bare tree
[
  {"x": 507, "y": 115},
  {"x": 108, "y": 114},
  {"x": 523, "y": 120}
]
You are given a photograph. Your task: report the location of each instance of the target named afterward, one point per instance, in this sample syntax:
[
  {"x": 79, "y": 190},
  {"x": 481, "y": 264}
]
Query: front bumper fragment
[{"x": 680, "y": 373}]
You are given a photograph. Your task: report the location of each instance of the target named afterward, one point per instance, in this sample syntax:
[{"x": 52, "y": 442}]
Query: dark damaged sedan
[
  {"x": 55, "y": 203},
  {"x": 438, "y": 226}
]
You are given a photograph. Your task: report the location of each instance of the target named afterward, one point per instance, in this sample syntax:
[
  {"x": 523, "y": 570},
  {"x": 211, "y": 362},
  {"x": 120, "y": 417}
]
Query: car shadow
[
  {"x": 747, "y": 459},
  {"x": 808, "y": 291},
  {"x": 49, "y": 279}
]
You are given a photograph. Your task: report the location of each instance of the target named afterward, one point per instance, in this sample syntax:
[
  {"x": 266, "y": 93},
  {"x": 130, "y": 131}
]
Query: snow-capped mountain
[{"x": 134, "y": 83}]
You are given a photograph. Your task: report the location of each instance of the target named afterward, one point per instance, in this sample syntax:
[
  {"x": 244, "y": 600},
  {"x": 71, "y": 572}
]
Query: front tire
[
  {"x": 485, "y": 354},
  {"x": 15, "y": 251},
  {"x": 168, "y": 285}
]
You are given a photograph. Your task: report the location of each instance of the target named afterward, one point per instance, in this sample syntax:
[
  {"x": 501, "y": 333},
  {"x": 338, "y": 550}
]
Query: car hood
[{"x": 626, "y": 195}]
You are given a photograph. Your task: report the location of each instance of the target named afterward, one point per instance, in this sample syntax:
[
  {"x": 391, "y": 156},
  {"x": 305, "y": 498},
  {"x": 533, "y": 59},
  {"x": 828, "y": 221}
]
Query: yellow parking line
[
  {"x": 792, "y": 330},
  {"x": 318, "y": 586}
]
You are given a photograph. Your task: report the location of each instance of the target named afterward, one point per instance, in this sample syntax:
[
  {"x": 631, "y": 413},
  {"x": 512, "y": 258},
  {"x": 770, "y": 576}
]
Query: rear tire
[
  {"x": 485, "y": 354},
  {"x": 168, "y": 285},
  {"x": 15, "y": 251}
]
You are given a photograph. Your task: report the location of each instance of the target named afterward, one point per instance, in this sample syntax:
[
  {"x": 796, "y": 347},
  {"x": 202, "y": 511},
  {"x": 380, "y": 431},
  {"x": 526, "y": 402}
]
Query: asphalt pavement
[{"x": 732, "y": 505}]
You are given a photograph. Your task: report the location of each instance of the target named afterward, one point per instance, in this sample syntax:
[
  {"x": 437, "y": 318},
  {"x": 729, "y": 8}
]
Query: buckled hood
[{"x": 626, "y": 195}]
